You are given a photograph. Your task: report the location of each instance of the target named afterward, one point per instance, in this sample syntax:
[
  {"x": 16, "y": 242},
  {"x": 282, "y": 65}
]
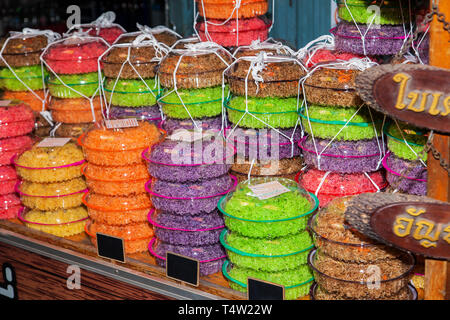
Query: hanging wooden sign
[
  {"x": 417, "y": 94},
  {"x": 420, "y": 227}
]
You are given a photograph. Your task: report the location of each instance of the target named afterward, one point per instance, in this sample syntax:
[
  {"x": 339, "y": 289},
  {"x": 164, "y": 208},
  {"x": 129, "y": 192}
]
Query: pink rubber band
[
  {"x": 300, "y": 144},
  {"x": 13, "y": 161},
  {"x": 194, "y": 198},
  {"x": 385, "y": 165},
  {"x": 21, "y": 218},
  {"x": 150, "y": 248},
  {"x": 19, "y": 182},
  {"x": 152, "y": 222}
]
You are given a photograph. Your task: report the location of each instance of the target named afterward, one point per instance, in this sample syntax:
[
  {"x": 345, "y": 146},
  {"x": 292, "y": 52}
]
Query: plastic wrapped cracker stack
[
  {"x": 344, "y": 144},
  {"x": 261, "y": 114},
  {"x": 344, "y": 261},
  {"x": 232, "y": 23},
  {"x": 192, "y": 86},
  {"x": 162, "y": 34},
  {"x": 189, "y": 175},
  {"x": 265, "y": 235},
  {"x": 51, "y": 187},
  {"x": 116, "y": 176},
  {"x": 405, "y": 170},
  {"x": 73, "y": 82},
  {"x": 22, "y": 75},
  {"x": 131, "y": 86},
  {"x": 16, "y": 125}
]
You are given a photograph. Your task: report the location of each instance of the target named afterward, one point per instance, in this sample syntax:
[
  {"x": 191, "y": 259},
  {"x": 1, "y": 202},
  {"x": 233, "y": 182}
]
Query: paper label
[
  {"x": 121, "y": 123},
  {"x": 53, "y": 142},
  {"x": 268, "y": 190},
  {"x": 5, "y": 103}
]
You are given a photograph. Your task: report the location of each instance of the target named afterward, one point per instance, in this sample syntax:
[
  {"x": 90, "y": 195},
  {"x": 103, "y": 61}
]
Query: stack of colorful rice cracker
[
  {"x": 190, "y": 174},
  {"x": 162, "y": 34},
  {"x": 74, "y": 83},
  {"x": 344, "y": 146},
  {"x": 266, "y": 235},
  {"x": 269, "y": 46},
  {"x": 52, "y": 187},
  {"x": 262, "y": 110},
  {"x": 377, "y": 28},
  {"x": 103, "y": 27},
  {"x": 115, "y": 173},
  {"x": 22, "y": 76},
  {"x": 131, "y": 87},
  {"x": 405, "y": 171},
  {"x": 192, "y": 81},
  {"x": 16, "y": 123},
  {"x": 347, "y": 265},
  {"x": 232, "y": 23}
]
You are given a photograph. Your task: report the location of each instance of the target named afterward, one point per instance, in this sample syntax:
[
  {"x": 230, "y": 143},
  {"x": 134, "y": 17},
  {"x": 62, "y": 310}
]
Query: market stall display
[{"x": 266, "y": 222}]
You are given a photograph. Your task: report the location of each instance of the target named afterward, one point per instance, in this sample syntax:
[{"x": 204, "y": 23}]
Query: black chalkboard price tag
[
  {"x": 110, "y": 247},
  {"x": 182, "y": 268},
  {"x": 263, "y": 290}
]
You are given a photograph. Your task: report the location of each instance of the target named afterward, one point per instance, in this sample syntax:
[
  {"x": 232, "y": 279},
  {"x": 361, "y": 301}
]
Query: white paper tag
[
  {"x": 268, "y": 190},
  {"x": 53, "y": 142},
  {"x": 5, "y": 103},
  {"x": 121, "y": 123}
]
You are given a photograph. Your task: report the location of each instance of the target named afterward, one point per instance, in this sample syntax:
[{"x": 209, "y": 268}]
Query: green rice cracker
[
  {"x": 389, "y": 12},
  {"x": 415, "y": 138},
  {"x": 277, "y": 216},
  {"x": 296, "y": 282},
  {"x": 272, "y": 255},
  {"x": 86, "y": 83},
  {"x": 198, "y": 103},
  {"x": 31, "y": 76},
  {"x": 131, "y": 93},
  {"x": 263, "y": 112},
  {"x": 327, "y": 122}
]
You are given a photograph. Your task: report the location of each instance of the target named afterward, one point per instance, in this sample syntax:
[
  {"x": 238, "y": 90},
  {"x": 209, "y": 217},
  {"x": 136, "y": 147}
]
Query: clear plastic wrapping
[
  {"x": 16, "y": 120},
  {"x": 32, "y": 76},
  {"x": 85, "y": 83},
  {"x": 76, "y": 110},
  {"x": 11, "y": 147},
  {"x": 8, "y": 179},
  {"x": 72, "y": 130},
  {"x": 223, "y": 9},
  {"x": 23, "y": 50},
  {"x": 406, "y": 141},
  {"x": 268, "y": 167},
  {"x": 131, "y": 92},
  {"x": 36, "y": 100},
  {"x": 10, "y": 206},
  {"x": 282, "y": 215}
]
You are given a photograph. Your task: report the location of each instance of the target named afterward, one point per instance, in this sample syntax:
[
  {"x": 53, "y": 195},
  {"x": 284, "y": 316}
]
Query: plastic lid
[
  {"x": 90, "y": 78},
  {"x": 16, "y": 113},
  {"x": 51, "y": 190},
  {"x": 100, "y": 138},
  {"x": 75, "y": 48},
  {"x": 115, "y": 174},
  {"x": 7, "y": 173},
  {"x": 175, "y": 222},
  {"x": 203, "y": 254},
  {"x": 117, "y": 203},
  {"x": 54, "y": 218},
  {"x": 208, "y": 148},
  {"x": 50, "y": 157},
  {"x": 241, "y": 204},
  {"x": 16, "y": 143}
]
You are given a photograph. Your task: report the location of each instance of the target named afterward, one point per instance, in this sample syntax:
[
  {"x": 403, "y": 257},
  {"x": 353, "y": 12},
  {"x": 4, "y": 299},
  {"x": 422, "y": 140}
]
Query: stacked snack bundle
[
  {"x": 52, "y": 187},
  {"x": 270, "y": 46},
  {"x": 116, "y": 175},
  {"x": 103, "y": 27},
  {"x": 262, "y": 109},
  {"x": 190, "y": 174},
  {"x": 232, "y": 23},
  {"x": 349, "y": 266},
  {"x": 22, "y": 76},
  {"x": 344, "y": 146},
  {"x": 377, "y": 28},
  {"x": 266, "y": 235},
  {"x": 192, "y": 81},
  {"x": 74, "y": 82},
  {"x": 16, "y": 123},
  {"x": 130, "y": 84},
  {"x": 162, "y": 34},
  {"x": 405, "y": 171}
]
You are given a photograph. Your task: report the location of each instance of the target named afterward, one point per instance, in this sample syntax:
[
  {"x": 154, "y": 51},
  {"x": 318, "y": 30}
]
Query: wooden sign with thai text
[
  {"x": 417, "y": 94},
  {"x": 420, "y": 227}
]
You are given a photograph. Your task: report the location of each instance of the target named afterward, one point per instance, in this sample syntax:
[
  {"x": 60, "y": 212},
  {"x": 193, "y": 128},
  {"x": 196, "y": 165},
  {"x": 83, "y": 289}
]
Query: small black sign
[
  {"x": 182, "y": 268},
  {"x": 8, "y": 288},
  {"x": 263, "y": 290},
  {"x": 110, "y": 247}
]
